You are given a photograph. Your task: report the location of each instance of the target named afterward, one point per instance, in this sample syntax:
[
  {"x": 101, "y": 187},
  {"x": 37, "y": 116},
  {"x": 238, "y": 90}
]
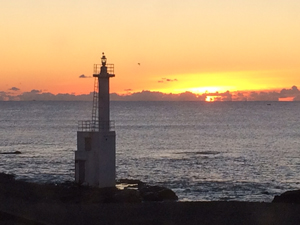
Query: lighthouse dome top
[{"x": 103, "y": 59}]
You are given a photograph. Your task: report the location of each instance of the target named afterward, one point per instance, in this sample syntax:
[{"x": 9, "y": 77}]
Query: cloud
[
  {"x": 166, "y": 80},
  {"x": 146, "y": 95},
  {"x": 47, "y": 96},
  {"x": 3, "y": 96},
  {"x": 293, "y": 92},
  {"x": 14, "y": 89},
  {"x": 223, "y": 96},
  {"x": 297, "y": 98},
  {"x": 171, "y": 80},
  {"x": 263, "y": 96},
  {"x": 128, "y": 89},
  {"x": 84, "y": 76},
  {"x": 187, "y": 96},
  {"x": 239, "y": 96},
  {"x": 290, "y": 94},
  {"x": 34, "y": 91}
]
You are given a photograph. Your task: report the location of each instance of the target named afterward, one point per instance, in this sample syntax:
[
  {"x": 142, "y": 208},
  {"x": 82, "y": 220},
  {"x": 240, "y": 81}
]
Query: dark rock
[
  {"x": 11, "y": 153},
  {"x": 157, "y": 193},
  {"x": 6, "y": 177},
  {"x": 105, "y": 195},
  {"x": 288, "y": 197},
  {"x": 70, "y": 192},
  {"x": 152, "y": 197},
  {"x": 168, "y": 194},
  {"x": 128, "y": 195}
]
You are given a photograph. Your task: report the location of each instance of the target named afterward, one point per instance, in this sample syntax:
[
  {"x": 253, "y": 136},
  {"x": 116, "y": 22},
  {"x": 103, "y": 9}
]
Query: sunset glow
[
  {"x": 210, "y": 98},
  {"x": 287, "y": 99},
  {"x": 201, "y": 90},
  {"x": 160, "y": 46}
]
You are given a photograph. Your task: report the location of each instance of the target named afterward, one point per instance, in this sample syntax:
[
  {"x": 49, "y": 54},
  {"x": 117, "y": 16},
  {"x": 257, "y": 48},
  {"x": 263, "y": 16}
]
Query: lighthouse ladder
[{"x": 94, "y": 124}]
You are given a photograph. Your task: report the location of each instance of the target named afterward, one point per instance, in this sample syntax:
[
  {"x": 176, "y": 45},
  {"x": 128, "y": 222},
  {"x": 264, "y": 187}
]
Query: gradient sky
[{"x": 191, "y": 45}]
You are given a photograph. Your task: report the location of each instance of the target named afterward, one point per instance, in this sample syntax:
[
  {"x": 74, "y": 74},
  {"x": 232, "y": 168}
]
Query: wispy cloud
[
  {"x": 14, "y": 89},
  {"x": 162, "y": 80},
  {"x": 35, "y": 91},
  {"x": 84, "y": 76}
]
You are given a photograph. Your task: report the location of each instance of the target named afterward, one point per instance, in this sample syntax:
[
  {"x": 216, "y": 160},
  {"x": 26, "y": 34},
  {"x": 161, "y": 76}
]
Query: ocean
[{"x": 204, "y": 151}]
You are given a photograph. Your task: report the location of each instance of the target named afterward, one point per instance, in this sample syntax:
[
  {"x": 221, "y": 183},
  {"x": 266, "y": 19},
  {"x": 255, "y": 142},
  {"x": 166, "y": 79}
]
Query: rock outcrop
[
  {"x": 157, "y": 193},
  {"x": 288, "y": 197},
  {"x": 70, "y": 192},
  {"x": 11, "y": 153},
  {"x": 147, "y": 192}
]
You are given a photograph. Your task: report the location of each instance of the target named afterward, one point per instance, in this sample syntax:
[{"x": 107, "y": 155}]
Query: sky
[{"x": 165, "y": 46}]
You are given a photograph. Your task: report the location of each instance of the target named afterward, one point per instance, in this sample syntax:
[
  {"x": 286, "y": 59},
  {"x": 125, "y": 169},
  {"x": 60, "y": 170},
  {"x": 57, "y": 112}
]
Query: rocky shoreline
[
  {"x": 22, "y": 202},
  {"x": 130, "y": 191}
]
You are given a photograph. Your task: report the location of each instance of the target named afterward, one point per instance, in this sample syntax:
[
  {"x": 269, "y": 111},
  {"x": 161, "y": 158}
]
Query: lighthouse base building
[{"x": 95, "y": 158}]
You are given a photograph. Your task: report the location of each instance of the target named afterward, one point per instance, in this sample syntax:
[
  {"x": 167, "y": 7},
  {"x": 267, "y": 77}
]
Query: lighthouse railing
[
  {"x": 89, "y": 125},
  {"x": 110, "y": 68}
]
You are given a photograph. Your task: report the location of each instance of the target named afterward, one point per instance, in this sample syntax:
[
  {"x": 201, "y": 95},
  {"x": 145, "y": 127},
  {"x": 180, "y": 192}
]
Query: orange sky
[{"x": 181, "y": 45}]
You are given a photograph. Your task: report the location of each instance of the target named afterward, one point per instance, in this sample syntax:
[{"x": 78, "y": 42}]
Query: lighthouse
[{"x": 95, "y": 158}]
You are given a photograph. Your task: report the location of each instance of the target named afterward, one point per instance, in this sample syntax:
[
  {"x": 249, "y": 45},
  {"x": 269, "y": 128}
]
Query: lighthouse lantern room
[{"x": 95, "y": 158}]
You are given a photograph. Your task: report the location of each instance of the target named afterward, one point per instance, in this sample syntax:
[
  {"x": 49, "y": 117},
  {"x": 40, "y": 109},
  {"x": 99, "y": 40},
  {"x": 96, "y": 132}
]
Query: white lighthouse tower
[{"x": 95, "y": 158}]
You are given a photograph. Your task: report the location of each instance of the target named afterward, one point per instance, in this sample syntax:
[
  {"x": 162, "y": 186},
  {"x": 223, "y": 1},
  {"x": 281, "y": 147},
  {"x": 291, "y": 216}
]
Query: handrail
[
  {"x": 89, "y": 125},
  {"x": 110, "y": 68}
]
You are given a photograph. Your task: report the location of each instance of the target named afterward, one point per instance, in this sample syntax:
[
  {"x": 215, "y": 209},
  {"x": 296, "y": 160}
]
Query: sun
[{"x": 210, "y": 98}]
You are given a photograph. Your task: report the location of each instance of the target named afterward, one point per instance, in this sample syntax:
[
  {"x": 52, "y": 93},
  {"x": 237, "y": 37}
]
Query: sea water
[{"x": 244, "y": 151}]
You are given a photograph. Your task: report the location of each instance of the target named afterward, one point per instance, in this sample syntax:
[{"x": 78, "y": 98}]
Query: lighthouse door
[{"x": 81, "y": 169}]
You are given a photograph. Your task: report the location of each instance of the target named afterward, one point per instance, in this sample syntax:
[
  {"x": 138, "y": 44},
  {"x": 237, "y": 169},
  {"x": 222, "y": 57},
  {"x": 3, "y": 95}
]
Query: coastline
[{"x": 28, "y": 203}]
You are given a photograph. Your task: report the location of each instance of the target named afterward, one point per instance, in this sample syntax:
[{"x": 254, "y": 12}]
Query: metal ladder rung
[{"x": 95, "y": 104}]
